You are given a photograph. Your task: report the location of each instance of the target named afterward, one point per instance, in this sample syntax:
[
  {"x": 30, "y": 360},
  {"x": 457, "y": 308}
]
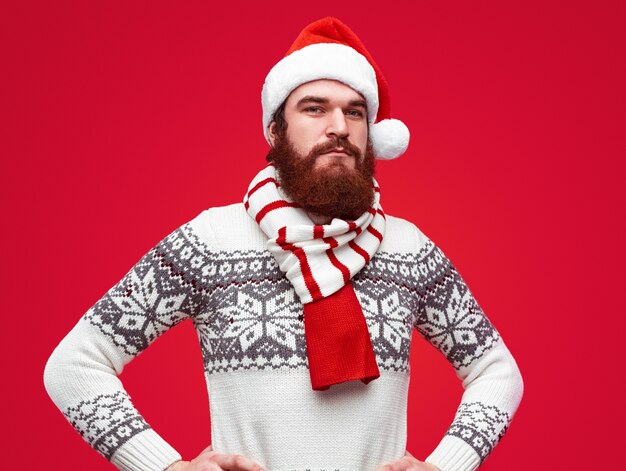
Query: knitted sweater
[{"x": 216, "y": 271}]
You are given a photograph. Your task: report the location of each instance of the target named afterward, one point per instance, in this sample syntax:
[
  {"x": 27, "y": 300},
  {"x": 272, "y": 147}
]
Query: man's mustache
[{"x": 331, "y": 145}]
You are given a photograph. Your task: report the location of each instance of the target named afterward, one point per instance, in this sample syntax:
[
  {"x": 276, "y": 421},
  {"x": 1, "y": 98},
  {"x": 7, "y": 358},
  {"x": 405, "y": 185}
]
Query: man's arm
[
  {"x": 81, "y": 375},
  {"x": 452, "y": 321}
]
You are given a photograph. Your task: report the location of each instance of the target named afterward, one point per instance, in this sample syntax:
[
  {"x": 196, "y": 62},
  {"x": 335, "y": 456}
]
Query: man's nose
[{"x": 337, "y": 124}]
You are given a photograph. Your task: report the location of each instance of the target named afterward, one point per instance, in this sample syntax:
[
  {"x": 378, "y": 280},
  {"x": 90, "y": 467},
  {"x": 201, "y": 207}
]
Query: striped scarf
[{"x": 319, "y": 261}]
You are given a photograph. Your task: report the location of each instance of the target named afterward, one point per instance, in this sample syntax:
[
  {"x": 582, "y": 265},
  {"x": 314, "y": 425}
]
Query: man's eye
[
  {"x": 355, "y": 113},
  {"x": 313, "y": 109}
]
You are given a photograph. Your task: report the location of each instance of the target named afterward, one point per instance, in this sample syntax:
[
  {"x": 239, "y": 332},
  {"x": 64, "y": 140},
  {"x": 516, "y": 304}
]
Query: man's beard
[{"x": 343, "y": 192}]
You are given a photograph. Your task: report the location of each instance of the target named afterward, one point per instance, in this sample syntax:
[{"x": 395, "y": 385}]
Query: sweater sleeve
[
  {"x": 452, "y": 321},
  {"x": 81, "y": 375}
]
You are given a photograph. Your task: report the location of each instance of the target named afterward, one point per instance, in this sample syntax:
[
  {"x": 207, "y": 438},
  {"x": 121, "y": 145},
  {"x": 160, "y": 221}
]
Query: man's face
[
  {"x": 323, "y": 159},
  {"x": 318, "y": 112}
]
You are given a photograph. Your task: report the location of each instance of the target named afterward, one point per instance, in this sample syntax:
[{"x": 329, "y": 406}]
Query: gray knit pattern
[
  {"x": 106, "y": 421},
  {"x": 480, "y": 425},
  {"x": 449, "y": 316},
  {"x": 247, "y": 317}
]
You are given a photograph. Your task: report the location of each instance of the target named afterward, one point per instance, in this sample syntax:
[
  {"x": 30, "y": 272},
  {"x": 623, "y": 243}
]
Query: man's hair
[{"x": 281, "y": 124}]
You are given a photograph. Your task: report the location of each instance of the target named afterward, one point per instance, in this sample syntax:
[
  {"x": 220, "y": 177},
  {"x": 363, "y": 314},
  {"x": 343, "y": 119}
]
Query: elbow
[
  {"x": 498, "y": 376},
  {"x": 52, "y": 377},
  {"x": 513, "y": 382},
  {"x": 55, "y": 375},
  {"x": 518, "y": 385},
  {"x": 80, "y": 363}
]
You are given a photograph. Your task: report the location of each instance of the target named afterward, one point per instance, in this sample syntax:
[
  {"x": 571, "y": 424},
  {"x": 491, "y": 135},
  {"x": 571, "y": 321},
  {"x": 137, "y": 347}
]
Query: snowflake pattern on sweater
[{"x": 248, "y": 318}]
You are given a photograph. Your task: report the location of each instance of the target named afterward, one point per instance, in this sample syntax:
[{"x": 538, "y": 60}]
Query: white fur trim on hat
[
  {"x": 319, "y": 61},
  {"x": 390, "y": 138}
]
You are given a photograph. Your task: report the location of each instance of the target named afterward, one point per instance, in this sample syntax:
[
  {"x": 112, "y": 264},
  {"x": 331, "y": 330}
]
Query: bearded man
[{"x": 304, "y": 298}]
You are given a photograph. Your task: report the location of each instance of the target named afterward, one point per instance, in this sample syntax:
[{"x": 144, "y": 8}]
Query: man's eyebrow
[
  {"x": 322, "y": 100},
  {"x": 311, "y": 99},
  {"x": 358, "y": 103}
]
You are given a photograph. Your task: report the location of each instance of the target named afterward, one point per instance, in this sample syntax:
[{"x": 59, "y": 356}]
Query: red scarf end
[{"x": 339, "y": 347}]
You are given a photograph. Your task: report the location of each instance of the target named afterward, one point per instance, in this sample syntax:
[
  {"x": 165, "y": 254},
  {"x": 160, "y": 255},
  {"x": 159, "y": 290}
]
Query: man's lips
[{"x": 338, "y": 150}]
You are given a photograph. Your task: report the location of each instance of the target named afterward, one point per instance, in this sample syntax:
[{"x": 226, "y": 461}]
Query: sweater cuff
[
  {"x": 146, "y": 451},
  {"x": 453, "y": 454}
]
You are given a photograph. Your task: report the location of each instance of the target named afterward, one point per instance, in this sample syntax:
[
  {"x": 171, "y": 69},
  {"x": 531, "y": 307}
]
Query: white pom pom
[{"x": 390, "y": 138}]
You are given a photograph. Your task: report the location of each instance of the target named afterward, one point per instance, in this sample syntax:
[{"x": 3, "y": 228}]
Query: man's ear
[{"x": 271, "y": 131}]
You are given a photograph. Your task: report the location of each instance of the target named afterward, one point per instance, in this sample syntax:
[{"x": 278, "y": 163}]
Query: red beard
[{"x": 335, "y": 190}]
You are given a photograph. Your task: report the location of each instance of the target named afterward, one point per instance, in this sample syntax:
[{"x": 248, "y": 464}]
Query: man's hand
[
  {"x": 407, "y": 463},
  {"x": 209, "y": 460}
]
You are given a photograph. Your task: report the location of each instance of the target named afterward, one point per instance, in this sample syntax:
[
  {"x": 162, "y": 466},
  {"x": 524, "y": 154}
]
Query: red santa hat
[{"x": 328, "y": 49}]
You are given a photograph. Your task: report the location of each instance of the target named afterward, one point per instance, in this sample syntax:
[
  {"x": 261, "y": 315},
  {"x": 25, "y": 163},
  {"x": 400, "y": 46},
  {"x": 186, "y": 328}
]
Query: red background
[{"x": 123, "y": 120}]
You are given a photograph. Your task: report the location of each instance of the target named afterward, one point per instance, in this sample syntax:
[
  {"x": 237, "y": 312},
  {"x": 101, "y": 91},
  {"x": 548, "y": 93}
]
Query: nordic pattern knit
[{"x": 216, "y": 271}]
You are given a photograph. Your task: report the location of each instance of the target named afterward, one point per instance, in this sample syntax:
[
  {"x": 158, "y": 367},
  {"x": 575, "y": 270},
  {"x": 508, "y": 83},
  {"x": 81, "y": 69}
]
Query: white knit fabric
[{"x": 216, "y": 271}]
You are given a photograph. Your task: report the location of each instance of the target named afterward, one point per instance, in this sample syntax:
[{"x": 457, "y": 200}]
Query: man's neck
[{"x": 319, "y": 219}]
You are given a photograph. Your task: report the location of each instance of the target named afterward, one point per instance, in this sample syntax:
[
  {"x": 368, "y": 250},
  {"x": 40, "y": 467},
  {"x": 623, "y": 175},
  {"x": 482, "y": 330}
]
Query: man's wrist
[{"x": 173, "y": 466}]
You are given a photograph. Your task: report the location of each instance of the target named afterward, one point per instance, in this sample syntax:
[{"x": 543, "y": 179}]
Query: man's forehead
[{"x": 325, "y": 89}]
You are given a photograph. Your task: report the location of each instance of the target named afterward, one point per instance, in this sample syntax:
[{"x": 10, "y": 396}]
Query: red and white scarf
[{"x": 319, "y": 261}]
